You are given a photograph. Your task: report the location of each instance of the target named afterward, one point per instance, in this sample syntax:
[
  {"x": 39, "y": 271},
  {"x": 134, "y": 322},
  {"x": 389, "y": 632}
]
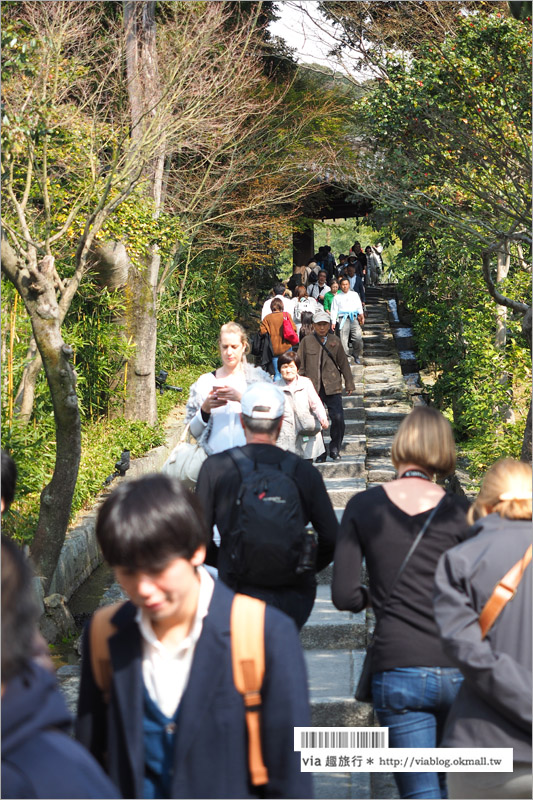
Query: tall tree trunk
[
  {"x": 141, "y": 325},
  {"x": 503, "y": 264},
  {"x": 37, "y": 288},
  {"x": 141, "y": 294}
]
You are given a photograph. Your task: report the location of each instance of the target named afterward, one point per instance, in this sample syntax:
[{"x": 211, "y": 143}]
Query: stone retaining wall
[{"x": 80, "y": 554}]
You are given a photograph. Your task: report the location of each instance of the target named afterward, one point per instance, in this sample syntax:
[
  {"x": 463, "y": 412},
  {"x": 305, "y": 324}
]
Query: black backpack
[{"x": 268, "y": 543}]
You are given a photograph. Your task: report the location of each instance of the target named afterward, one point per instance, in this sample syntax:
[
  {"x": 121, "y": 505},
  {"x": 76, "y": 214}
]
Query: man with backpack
[
  {"x": 187, "y": 690},
  {"x": 261, "y": 499}
]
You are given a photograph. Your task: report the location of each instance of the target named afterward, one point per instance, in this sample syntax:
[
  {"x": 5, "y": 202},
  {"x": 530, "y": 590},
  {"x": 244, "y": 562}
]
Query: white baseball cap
[
  {"x": 321, "y": 316},
  {"x": 263, "y": 400}
]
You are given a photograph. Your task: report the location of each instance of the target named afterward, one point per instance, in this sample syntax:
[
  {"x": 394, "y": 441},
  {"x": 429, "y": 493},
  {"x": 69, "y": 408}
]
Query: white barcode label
[{"x": 340, "y": 738}]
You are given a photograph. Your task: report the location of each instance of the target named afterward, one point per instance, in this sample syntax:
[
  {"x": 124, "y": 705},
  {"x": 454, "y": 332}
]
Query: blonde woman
[
  {"x": 493, "y": 707},
  {"x": 214, "y": 404},
  {"x": 413, "y": 681}
]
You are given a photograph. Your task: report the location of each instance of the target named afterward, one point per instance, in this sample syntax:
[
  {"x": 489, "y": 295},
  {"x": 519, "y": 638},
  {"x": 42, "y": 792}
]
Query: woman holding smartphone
[{"x": 214, "y": 404}]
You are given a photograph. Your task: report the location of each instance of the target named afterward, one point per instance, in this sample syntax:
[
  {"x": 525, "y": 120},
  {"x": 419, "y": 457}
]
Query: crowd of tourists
[{"x": 193, "y": 686}]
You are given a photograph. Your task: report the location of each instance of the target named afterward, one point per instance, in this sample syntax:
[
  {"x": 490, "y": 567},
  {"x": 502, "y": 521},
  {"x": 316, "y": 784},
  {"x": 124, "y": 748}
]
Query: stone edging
[{"x": 80, "y": 554}]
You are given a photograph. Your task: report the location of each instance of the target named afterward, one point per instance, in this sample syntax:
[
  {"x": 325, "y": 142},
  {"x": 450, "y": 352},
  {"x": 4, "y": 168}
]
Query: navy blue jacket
[
  {"x": 210, "y": 759},
  {"x": 39, "y": 759}
]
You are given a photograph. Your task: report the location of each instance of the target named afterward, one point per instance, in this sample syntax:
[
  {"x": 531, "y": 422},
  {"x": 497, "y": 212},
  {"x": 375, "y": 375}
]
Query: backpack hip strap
[{"x": 248, "y": 659}]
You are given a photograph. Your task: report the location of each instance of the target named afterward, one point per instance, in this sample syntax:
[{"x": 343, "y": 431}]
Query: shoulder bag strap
[
  {"x": 327, "y": 351},
  {"x": 504, "y": 591},
  {"x": 410, "y": 552}
]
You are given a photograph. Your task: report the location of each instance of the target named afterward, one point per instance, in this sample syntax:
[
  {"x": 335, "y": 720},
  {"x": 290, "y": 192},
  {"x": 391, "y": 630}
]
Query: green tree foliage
[
  {"x": 447, "y": 132},
  {"x": 453, "y": 320},
  {"x": 443, "y": 140}
]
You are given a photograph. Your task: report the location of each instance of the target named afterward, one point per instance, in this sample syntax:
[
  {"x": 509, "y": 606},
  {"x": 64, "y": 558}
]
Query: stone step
[
  {"x": 358, "y": 391},
  {"x": 377, "y": 390},
  {"x": 379, "y": 446},
  {"x": 347, "y": 466},
  {"x": 373, "y": 338},
  {"x": 395, "y": 412},
  {"x": 353, "y": 444},
  {"x": 382, "y": 475},
  {"x": 381, "y": 402},
  {"x": 353, "y": 401},
  {"x": 340, "y": 490},
  {"x": 354, "y": 426},
  {"x": 386, "y": 360},
  {"x": 384, "y": 377},
  {"x": 333, "y": 677},
  {"x": 379, "y": 462},
  {"x": 380, "y": 350},
  {"x": 378, "y": 333},
  {"x": 323, "y": 578},
  {"x": 357, "y": 413},
  {"x": 381, "y": 428},
  {"x": 330, "y": 629}
]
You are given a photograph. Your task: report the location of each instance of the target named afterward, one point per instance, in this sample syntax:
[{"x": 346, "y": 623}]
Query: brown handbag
[{"x": 504, "y": 591}]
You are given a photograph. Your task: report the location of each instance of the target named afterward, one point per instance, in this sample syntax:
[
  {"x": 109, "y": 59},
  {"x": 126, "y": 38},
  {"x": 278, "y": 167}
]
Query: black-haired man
[{"x": 169, "y": 721}]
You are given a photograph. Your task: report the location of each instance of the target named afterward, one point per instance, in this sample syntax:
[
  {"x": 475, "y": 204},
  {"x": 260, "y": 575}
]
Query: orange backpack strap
[
  {"x": 503, "y": 592},
  {"x": 248, "y": 659},
  {"x": 99, "y": 633}
]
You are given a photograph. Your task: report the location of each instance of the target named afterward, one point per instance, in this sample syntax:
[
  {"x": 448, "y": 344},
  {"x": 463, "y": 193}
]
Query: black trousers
[
  {"x": 333, "y": 403},
  {"x": 295, "y": 602}
]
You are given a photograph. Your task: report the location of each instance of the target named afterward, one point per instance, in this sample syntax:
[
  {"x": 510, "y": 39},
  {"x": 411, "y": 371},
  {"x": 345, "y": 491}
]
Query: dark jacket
[
  {"x": 210, "y": 757},
  {"x": 218, "y": 488},
  {"x": 493, "y": 707},
  {"x": 317, "y": 365},
  {"x": 39, "y": 759}
]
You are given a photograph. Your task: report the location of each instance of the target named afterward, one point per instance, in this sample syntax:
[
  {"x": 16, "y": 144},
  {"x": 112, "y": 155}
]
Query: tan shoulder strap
[
  {"x": 503, "y": 592},
  {"x": 99, "y": 633},
  {"x": 248, "y": 659}
]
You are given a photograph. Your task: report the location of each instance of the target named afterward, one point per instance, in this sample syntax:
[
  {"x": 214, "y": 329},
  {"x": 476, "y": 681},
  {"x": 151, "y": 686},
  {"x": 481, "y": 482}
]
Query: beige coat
[{"x": 303, "y": 396}]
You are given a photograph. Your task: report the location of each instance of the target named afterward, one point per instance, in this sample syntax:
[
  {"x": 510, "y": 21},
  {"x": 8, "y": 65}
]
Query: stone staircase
[{"x": 335, "y": 642}]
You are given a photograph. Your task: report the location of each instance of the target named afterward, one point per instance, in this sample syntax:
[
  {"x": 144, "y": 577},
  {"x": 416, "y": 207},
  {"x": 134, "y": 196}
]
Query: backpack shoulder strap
[
  {"x": 100, "y": 631},
  {"x": 288, "y": 464},
  {"x": 248, "y": 660},
  {"x": 241, "y": 461}
]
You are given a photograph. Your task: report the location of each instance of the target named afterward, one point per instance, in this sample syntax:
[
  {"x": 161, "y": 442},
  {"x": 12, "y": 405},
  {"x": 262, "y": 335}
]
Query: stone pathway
[{"x": 334, "y": 641}]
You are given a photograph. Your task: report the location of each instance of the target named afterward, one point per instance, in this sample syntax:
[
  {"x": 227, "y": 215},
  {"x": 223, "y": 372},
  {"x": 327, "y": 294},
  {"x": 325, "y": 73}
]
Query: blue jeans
[
  {"x": 277, "y": 373},
  {"x": 413, "y": 702}
]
